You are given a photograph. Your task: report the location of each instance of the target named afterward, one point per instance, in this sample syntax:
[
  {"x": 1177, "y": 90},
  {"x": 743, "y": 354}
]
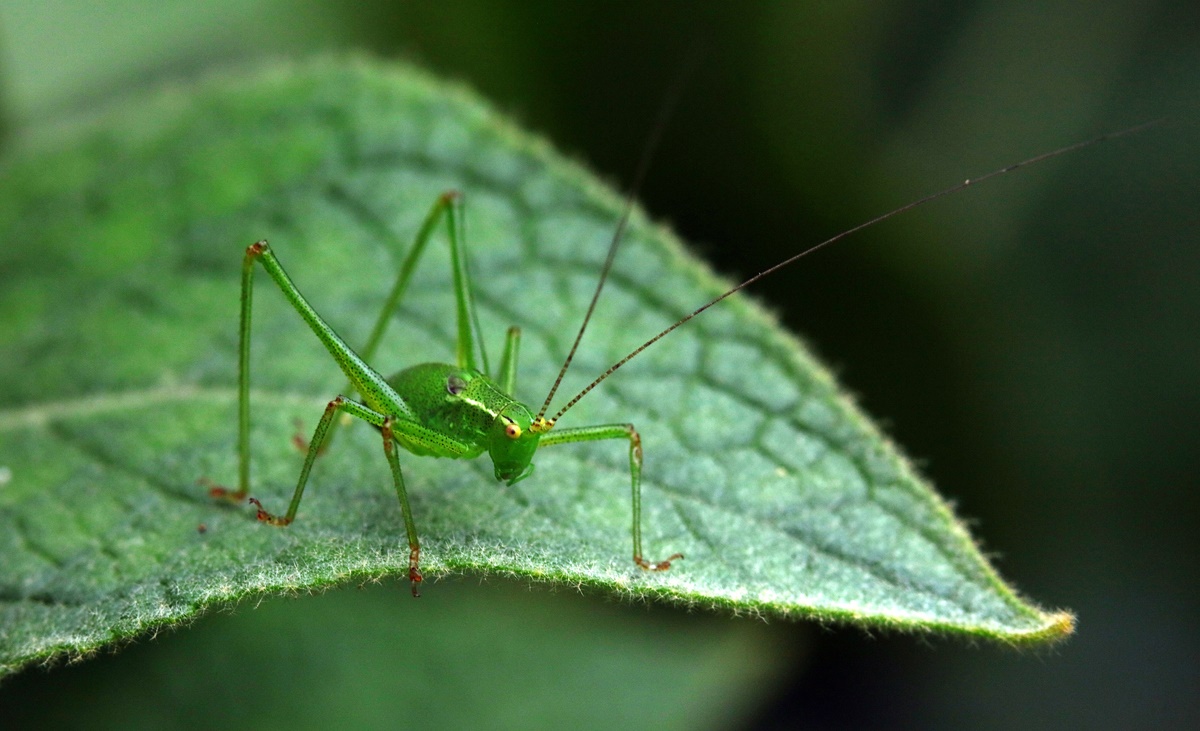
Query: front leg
[
  {"x": 414, "y": 547},
  {"x": 387, "y": 427},
  {"x": 315, "y": 446},
  {"x": 618, "y": 431}
]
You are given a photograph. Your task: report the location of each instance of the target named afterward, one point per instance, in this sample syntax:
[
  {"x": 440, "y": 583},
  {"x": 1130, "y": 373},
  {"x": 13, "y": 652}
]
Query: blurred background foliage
[{"x": 1032, "y": 343}]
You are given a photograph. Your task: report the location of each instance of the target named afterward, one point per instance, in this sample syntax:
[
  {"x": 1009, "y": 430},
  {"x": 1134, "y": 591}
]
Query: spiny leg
[
  {"x": 363, "y": 378},
  {"x": 470, "y": 348},
  {"x": 389, "y": 449},
  {"x": 341, "y": 403},
  {"x": 414, "y": 547},
  {"x": 618, "y": 431},
  {"x": 375, "y": 389},
  {"x": 216, "y": 491}
]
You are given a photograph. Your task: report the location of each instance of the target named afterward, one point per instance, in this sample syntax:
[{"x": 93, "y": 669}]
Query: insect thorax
[{"x": 459, "y": 403}]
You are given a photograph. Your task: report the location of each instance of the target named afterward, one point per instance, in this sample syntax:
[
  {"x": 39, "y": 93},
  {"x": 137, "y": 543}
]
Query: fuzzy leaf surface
[{"x": 122, "y": 238}]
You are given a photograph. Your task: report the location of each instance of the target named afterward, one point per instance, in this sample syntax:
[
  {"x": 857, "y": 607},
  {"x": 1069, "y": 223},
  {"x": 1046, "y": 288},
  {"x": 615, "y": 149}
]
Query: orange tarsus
[
  {"x": 265, "y": 517},
  {"x": 658, "y": 565},
  {"x": 414, "y": 573}
]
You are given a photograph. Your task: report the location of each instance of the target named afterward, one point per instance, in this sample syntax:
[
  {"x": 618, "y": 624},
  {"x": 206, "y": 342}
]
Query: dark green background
[{"x": 1032, "y": 343}]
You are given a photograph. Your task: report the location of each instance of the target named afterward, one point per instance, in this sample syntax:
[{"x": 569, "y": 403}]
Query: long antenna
[
  {"x": 878, "y": 219},
  {"x": 660, "y": 123}
]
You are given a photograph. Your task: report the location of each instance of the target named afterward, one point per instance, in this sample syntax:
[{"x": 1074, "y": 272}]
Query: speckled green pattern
[
  {"x": 468, "y": 415},
  {"x": 122, "y": 240}
]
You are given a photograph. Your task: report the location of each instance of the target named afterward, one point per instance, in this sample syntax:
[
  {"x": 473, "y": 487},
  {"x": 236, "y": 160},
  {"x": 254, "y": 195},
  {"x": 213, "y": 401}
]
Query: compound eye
[
  {"x": 511, "y": 430},
  {"x": 455, "y": 385}
]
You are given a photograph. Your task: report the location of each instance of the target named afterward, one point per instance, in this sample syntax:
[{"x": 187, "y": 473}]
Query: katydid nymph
[{"x": 462, "y": 410}]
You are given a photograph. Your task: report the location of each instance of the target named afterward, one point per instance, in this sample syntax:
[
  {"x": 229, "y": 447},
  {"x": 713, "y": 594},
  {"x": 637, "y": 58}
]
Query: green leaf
[
  {"x": 123, "y": 239},
  {"x": 465, "y": 656}
]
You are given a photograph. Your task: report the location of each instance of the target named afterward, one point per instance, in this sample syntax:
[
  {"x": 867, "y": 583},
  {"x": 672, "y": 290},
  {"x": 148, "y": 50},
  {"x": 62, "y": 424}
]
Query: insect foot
[
  {"x": 265, "y": 517},
  {"x": 414, "y": 573},
  {"x": 657, "y": 565}
]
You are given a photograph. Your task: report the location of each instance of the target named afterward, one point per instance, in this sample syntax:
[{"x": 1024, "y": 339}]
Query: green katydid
[{"x": 461, "y": 411}]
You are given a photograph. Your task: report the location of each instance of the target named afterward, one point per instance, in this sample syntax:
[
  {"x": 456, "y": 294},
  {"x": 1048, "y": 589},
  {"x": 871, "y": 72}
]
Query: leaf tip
[
  {"x": 1055, "y": 627},
  {"x": 1060, "y": 626}
]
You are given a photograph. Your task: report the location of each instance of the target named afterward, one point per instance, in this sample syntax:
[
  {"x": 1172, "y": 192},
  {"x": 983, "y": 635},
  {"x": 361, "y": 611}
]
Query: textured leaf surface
[{"x": 122, "y": 241}]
